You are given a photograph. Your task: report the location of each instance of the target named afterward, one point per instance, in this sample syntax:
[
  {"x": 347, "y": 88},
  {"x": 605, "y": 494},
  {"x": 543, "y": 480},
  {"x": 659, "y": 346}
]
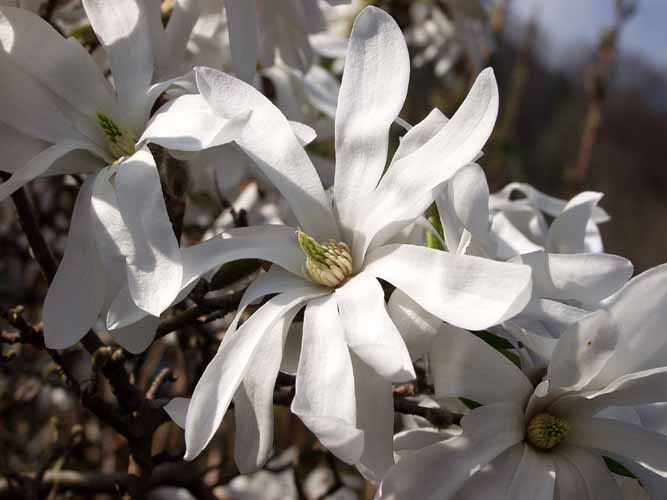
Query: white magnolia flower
[
  {"x": 60, "y": 115},
  {"x": 259, "y": 28},
  {"x": 351, "y": 351},
  {"x": 565, "y": 286},
  {"x": 549, "y": 441}
]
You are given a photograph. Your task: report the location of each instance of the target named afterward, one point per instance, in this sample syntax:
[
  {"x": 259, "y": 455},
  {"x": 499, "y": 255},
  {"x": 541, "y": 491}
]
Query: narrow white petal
[
  {"x": 401, "y": 192},
  {"x": 76, "y": 296},
  {"x": 463, "y": 365},
  {"x": 469, "y": 292},
  {"x": 271, "y": 143},
  {"x": 224, "y": 373},
  {"x": 177, "y": 409},
  {"x": 372, "y": 92},
  {"x": 369, "y": 330},
  {"x": 122, "y": 28},
  {"x": 535, "y": 477},
  {"x": 154, "y": 268},
  {"x": 253, "y": 401},
  {"x": 325, "y": 395},
  {"x": 41, "y": 163},
  {"x": 593, "y": 475},
  {"x": 494, "y": 479},
  {"x": 136, "y": 338},
  {"x": 420, "y": 134},
  {"x": 628, "y": 441},
  {"x": 567, "y": 233},
  {"x": 242, "y": 22}
]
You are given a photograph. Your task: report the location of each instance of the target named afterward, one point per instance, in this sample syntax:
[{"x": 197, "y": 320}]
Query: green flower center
[
  {"x": 120, "y": 141},
  {"x": 545, "y": 431},
  {"x": 328, "y": 264}
]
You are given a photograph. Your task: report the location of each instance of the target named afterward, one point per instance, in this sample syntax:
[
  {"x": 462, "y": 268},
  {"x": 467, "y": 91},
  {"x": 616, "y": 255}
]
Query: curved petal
[
  {"x": 493, "y": 479},
  {"x": 582, "y": 351},
  {"x": 123, "y": 30},
  {"x": 62, "y": 65},
  {"x": 39, "y": 164},
  {"x": 188, "y": 123},
  {"x": 535, "y": 477},
  {"x": 224, "y": 373},
  {"x": 325, "y": 398},
  {"x": 369, "y": 331},
  {"x": 401, "y": 194},
  {"x": 639, "y": 310},
  {"x": 469, "y": 292},
  {"x": 242, "y": 23},
  {"x": 420, "y": 134},
  {"x": 509, "y": 239},
  {"x": 253, "y": 401},
  {"x": 633, "y": 389},
  {"x": 270, "y": 142},
  {"x": 567, "y": 233},
  {"x": 631, "y": 442},
  {"x": 76, "y": 295},
  {"x": 372, "y": 92},
  {"x": 375, "y": 417},
  {"x": 417, "y": 326},
  {"x": 154, "y": 268},
  {"x": 488, "y": 432},
  {"x": 463, "y": 365},
  {"x": 136, "y": 338}
]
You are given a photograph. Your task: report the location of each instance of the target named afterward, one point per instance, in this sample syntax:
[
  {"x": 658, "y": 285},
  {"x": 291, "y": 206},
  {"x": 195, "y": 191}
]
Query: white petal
[
  {"x": 39, "y": 165},
  {"x": 369, "y": 331},
  {"x": 509, "y": 238},
  {"x": 535, "y": 477},
  {"x": 494, "y": 479},
  {"x": 325, "y": 398},
  {"x": 420, "y": 134},
  {"x": 76, "y": 296},
  {"x": 177, "y": 409},
  {"x": 17, "y": 148},
  {"x": 372, "y": 92},
  {"x": 582, "y": 351},
  {"x": 630, "y": 442},
  {"x": 224, "y": 373},
  {"x": 488, "y": 432},
  {"x": 154, "y": 269},
  {"x": 121, "y": 27},
  {"x": 253, "y": 401},
  {"x": 633, "y": 389},
  {"x": 375, "y": 417},
  {"x": 417, "y": 326},
  {"x": 415, "y": 439},
  {"x": 322, "y": 90},
  {"x": 270, "y": 142},
  {"x": 597, "y": 481},
  {"x": 464, "y": 206},
  {"x": 469, "y": 292},
  {"x": 136, "y": 338},
  {"x": 242, "y": 23},
  {"x": 639, "y": 310},
  {"x": 567, "y": 233},
  {"x": 60, "y": 64},
  {"x": 401, "y": 192},
  {"x": 585, "y": 277},
  {"x": 463, "y": 365},
  {"x": 177, "y": 33},
  {"x": 188, "y": 123}
]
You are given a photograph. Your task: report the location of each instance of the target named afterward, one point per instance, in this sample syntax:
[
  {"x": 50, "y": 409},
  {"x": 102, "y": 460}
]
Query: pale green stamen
[
  {"x": 545, "y": 431},
  {"x": 120, "y": 141},
  {"x": 328, "y": 264}
]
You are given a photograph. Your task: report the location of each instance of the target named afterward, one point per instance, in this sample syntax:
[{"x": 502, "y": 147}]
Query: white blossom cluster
[{"x": 554, "y": 355}]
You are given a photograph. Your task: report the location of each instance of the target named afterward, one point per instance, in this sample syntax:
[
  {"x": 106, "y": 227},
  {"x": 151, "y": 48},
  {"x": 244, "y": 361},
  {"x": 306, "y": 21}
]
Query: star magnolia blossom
[
  {"x": 351, "y": 351},
  {"x": 60, "y": 115},
  {"x": 257, "y": 28},
  {"x": 565, "y": 286},
  {"x": 549, "y": 441}
]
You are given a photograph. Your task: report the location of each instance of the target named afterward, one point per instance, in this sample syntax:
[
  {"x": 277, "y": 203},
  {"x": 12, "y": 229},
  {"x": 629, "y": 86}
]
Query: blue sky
[{"x": 567, "y": 24}]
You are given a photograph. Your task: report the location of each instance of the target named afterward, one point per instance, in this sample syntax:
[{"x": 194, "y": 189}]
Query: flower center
[
  {"x": 327, "y": 264},
  {"x": 120, "y": 141},
  {"x": 546, "y": 431}
]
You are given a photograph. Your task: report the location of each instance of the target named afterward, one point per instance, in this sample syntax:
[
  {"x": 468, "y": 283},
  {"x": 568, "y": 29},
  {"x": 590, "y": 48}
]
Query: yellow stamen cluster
[
  {"x": 121, "y": 142},
  {"x": 545, "y": 431},
  {"x": 328, "y": 264}
]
